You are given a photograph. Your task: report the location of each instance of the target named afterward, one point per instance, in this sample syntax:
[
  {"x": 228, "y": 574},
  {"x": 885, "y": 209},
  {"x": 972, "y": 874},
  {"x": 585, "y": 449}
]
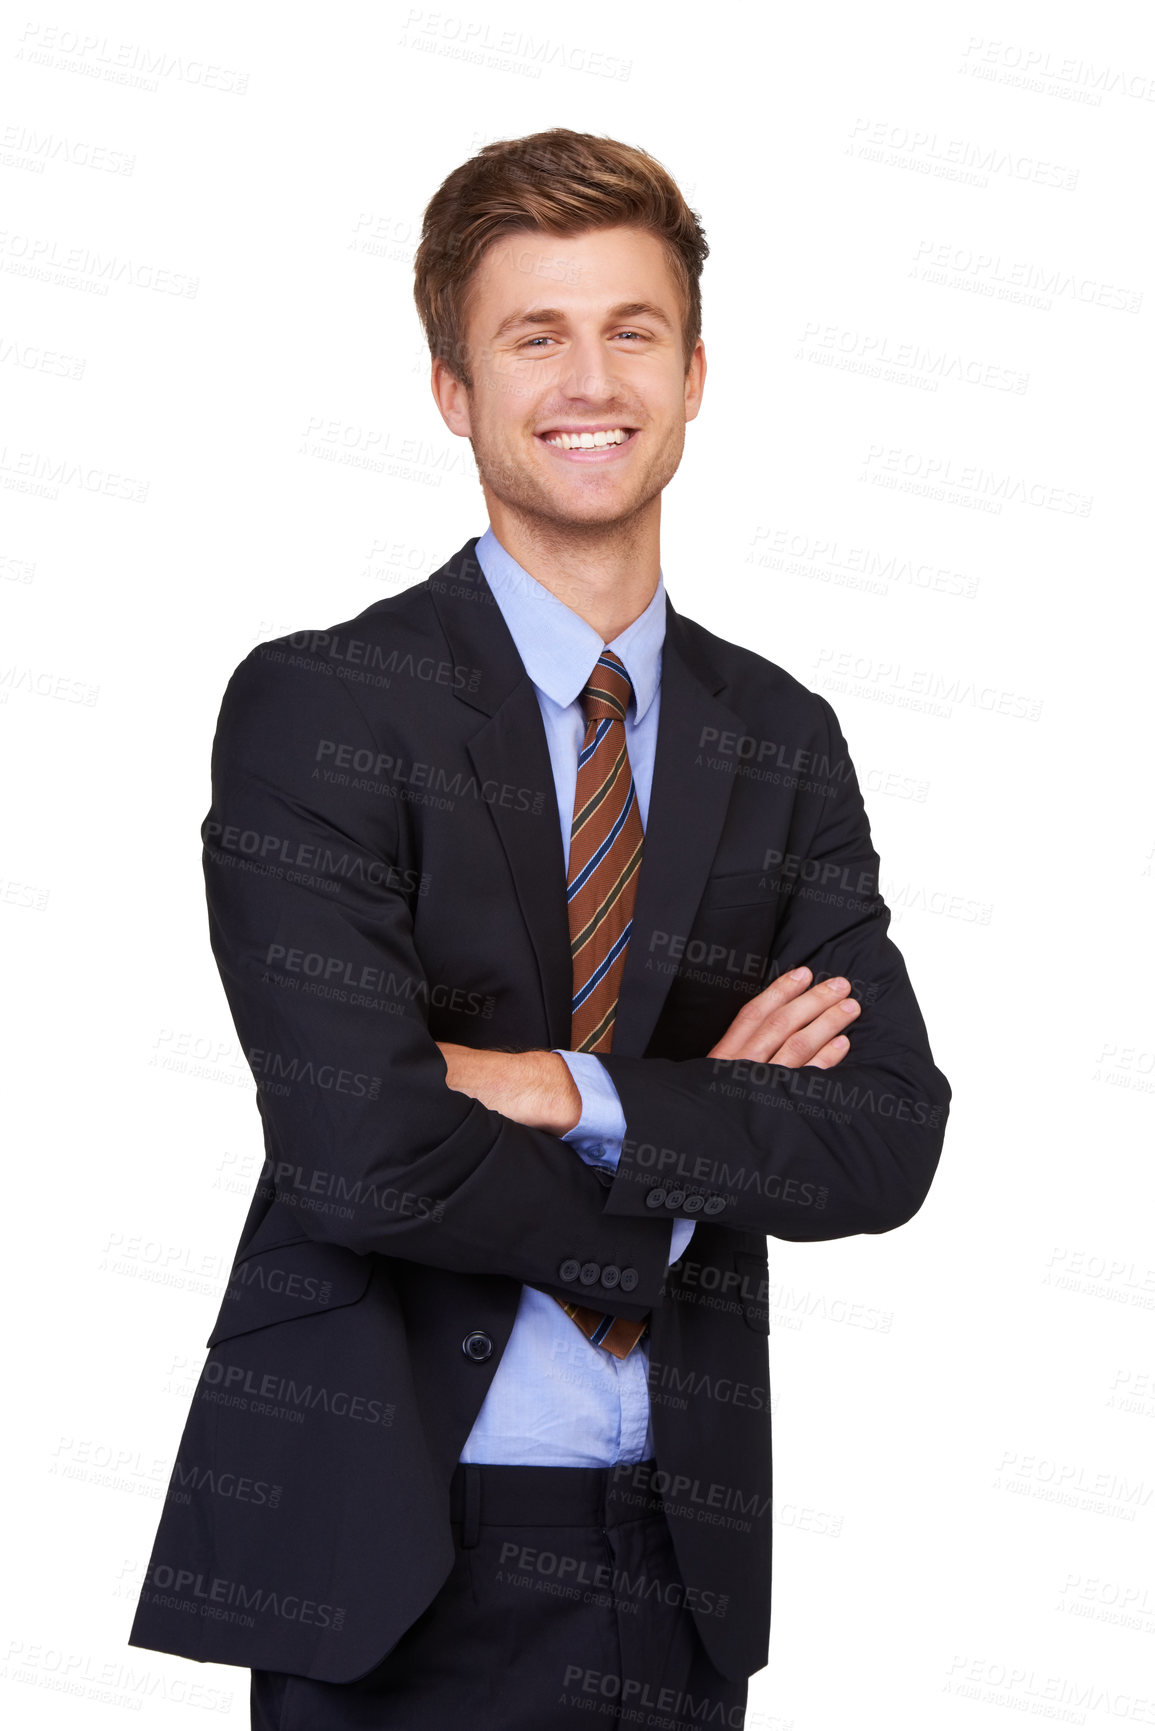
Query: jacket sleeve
[
  {"x": 602, "y": 1124},
  {"x": 800, "y": 1153},
  {"x": 311, "y": 923}
]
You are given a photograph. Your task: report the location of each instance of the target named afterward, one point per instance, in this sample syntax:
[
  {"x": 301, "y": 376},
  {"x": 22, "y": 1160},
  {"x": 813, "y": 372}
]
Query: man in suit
[{"x": 541, "y": 911}]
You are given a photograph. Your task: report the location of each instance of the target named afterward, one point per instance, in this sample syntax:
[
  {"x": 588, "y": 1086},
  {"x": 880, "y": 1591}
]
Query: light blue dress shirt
[{"x": 555, "y": 1399}]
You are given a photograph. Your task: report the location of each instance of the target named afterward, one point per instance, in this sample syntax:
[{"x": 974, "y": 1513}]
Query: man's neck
[{"x": 608, "y": 578}]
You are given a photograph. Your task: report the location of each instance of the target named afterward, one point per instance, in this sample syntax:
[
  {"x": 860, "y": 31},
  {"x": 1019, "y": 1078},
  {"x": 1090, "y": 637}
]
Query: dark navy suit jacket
[{"x": 384, "y": 870}]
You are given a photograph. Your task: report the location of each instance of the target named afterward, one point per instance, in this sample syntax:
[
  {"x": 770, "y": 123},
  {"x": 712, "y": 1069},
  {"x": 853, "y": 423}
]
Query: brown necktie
[{"x": 605, "y": 856}]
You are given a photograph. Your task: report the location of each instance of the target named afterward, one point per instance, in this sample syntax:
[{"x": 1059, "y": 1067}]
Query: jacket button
[
  {"x": 570, "y": 1269},
  {"x": 589, "y": 1272},
  {"x": 655, "y": 1198},
  {"x": 629, "y": 1279},
  {"x": 693, "y": 1204},
  {"x": 715, "y": 1204},
  {"x": 477, "y": 1346},
  {"x": 675, "y": 1198},
  {"x": 611, "y": 1274}
]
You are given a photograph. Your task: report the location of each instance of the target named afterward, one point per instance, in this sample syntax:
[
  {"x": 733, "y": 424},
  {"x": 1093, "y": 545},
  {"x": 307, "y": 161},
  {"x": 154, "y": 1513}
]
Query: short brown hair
[{"x": 557, "y": 182}]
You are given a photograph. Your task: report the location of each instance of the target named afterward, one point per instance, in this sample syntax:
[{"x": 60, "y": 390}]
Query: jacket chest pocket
[{"x": 740, "y": 889}]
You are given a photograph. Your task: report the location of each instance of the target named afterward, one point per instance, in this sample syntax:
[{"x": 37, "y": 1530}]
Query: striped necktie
[{"x": 605, "y": 857}]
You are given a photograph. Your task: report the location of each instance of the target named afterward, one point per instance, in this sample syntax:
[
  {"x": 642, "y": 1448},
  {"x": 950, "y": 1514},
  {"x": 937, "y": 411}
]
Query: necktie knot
[{"x": 608, "y": 690}]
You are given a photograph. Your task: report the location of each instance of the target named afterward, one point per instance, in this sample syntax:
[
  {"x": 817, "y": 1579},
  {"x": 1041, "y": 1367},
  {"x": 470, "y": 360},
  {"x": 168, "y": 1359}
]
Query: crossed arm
[
  {"x": 788, "y": 1023},
  {"x": 771, "y": 1131},
  {"x": 317, "y": 963}
]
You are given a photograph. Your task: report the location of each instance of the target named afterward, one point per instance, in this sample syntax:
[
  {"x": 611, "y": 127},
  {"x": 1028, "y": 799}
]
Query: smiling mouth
[{"x": 601, "y": 440}]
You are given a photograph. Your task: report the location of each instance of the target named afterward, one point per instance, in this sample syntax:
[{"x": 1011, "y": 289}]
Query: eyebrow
[{"x": 555, "y": 315}]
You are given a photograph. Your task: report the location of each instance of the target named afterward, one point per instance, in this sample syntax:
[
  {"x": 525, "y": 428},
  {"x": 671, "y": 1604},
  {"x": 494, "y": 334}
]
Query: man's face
[{"x": 566, "y": 335}]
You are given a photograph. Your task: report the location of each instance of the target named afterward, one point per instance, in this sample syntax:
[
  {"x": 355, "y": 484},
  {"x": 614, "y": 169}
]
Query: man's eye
[{"x": 531, "y": 341}]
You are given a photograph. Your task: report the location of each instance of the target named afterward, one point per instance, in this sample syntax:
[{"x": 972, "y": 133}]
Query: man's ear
[
  {"x": 695, "y": 380},
  {"x": 452, "y": 399}
]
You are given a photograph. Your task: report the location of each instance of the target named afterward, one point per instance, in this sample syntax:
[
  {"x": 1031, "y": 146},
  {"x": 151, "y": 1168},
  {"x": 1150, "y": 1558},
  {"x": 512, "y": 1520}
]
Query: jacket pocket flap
[
  {"x": 303, "y": 1278},
  {"x": 737, "y": 888}
]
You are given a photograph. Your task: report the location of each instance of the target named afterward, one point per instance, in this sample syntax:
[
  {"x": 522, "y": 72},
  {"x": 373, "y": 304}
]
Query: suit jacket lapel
[
  {"x": 688, "y": 803},
  {"x": 688, "y": 800},
  {"x": 511, "y": 747},
  {"x": 508, "y": 745}
]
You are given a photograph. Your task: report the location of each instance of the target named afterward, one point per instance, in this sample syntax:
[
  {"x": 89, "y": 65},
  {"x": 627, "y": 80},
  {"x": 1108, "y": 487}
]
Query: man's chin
[
  {"x": 561, "y": 516},
  {"x": 565, "y": 509}
]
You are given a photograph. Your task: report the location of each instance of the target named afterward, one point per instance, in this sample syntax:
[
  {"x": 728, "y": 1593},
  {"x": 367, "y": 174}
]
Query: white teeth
[{"x": 589, "y": 441}]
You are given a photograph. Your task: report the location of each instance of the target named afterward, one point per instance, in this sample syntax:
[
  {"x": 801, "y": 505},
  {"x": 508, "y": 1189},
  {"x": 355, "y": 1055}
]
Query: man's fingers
[
  {"x": 804, "y": 1044},
  {"x": 784, "y": 1013},
  {"x": 751, "y": 1019},
  {"x": 832, "y": 1053}
]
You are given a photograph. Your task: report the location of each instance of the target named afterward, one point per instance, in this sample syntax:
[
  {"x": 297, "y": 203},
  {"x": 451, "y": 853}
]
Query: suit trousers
[{"x": 564, "y": 1611}]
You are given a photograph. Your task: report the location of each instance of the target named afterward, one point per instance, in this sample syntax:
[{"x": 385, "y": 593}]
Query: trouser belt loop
[{"x": 471, "y": 1513}]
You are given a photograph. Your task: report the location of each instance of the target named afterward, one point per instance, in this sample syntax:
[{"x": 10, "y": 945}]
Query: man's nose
[{"x": 588, "y": 375}]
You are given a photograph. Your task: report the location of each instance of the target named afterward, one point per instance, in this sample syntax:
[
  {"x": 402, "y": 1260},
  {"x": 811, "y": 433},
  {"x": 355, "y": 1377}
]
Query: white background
[{"x": 920, "y": 481}]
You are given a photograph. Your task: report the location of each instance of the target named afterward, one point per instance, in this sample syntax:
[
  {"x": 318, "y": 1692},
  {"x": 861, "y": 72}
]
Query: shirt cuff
[
  {"x": 680, "y": 1237},
  {"x": 597, "y": 1135}
]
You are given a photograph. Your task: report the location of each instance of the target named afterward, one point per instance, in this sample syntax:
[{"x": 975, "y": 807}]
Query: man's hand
[
  {"x": 785, "y": 1024},
  {"x": 535, "y": 1088},
  {"x": 791, "y": 1025}
]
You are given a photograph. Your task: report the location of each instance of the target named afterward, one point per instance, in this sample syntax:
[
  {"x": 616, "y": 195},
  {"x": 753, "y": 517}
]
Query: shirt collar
[{"x": 558, "y": 647}]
